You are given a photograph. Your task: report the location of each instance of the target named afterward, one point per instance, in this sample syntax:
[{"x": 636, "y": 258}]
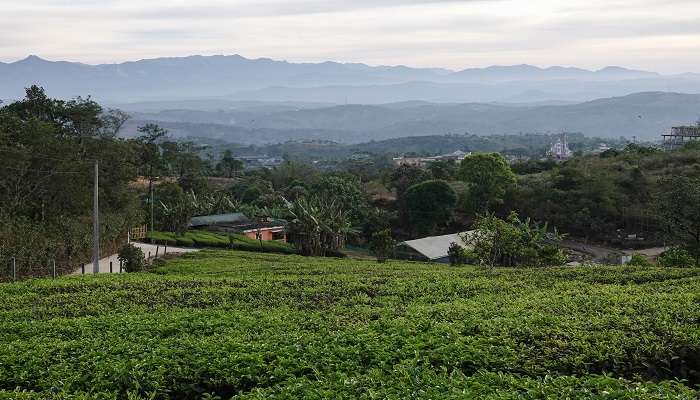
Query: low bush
[
  {"x": 676, "y": 257},
  {"x": 161, "y": 238},
  {"x": 256, "y": 326},
  {"x": 197, "y": 238},
  {"x": 184, "y": 241},
  {"x": 382, "y": 244},
  {"x": 132, "y": 258},
  {"x": 639, "y": 260},
  {"x": 457, "y": 254}
]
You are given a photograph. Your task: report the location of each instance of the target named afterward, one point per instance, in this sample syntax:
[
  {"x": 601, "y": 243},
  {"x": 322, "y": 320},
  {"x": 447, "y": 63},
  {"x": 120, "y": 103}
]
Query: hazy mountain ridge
[
  {"x": 239, "y": 78},
  {"x": 522, "y": 91},
  {"x": 645, "y": 115}
]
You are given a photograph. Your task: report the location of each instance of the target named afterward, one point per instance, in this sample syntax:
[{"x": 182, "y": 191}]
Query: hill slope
[{"x": 645, "y": 115}]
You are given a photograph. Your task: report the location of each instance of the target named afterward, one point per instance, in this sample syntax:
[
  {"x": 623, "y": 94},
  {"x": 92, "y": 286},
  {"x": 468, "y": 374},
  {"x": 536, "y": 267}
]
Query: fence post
[
  {"x": 165, "y": 248},
  {"x": 157, "y": 248},
  {"x": 82, "y": 269},
  {"x": 54, "y": 269},
  {"x": 120, "y": 266},
  {"x": 14, "y": 269},
  {"x": 110, "y": 266}
]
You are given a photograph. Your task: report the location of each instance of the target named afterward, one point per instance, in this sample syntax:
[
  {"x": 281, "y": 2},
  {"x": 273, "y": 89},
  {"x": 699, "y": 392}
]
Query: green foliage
[
  {"x": 607, "y": 197},
  {"x": 533, "y": 166},
  {"x": 513, "y": 242},
  {"x": 345, "y": 192},
  {"x": 679, "y": 211},
  {"x": 429, "y": 205},
  {"x": 176, "y": 211},
  {"x": 47, "y": 148},
  {"x": 151, "y": 159},
  {"x": 132, "y": 258},
  {"x": 382, "y": 245},
  {"x": 197, "y": 238},
  {"x": 182, "y": 158},
  {"x": 676, "y": 257},
  {"x": 318, "y": 228},
  {"x": 444, "y": 170},
  {"x": 229, "y": 166},
  {"x": 489, "y": 178},
  {"x": 251, "y": 325},
  {"x": 291, "y": 171},
  {"x": 457, "y": 254},
  {"x": 405, "y": 176},
  {"x": 375, "y": 220},
  {"x": 639, "y": 260}
]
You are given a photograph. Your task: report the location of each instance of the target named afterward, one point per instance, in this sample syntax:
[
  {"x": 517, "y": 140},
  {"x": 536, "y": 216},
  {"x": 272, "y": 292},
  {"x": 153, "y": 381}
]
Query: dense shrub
[
  {"x": 382, "y": 244},
  {"x": 513, "y": 242},
  {"x": 132, "y": 258},
  {"x": 457, "y": 254},
  {"x": 639, "y": 260},
  {"x": 676, "y": 257}
]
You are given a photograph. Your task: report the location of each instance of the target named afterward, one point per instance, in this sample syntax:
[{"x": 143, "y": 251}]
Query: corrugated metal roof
[
  {"x": 435, "y": 247},
  {"x": 219, "y": 219}
]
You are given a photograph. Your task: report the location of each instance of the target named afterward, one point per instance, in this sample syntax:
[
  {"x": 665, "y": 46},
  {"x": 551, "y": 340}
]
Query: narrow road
[{"x": 145, "y": 247}]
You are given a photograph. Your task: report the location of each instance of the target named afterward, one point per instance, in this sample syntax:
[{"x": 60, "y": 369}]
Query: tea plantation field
[{"x": 223, "y": 324}]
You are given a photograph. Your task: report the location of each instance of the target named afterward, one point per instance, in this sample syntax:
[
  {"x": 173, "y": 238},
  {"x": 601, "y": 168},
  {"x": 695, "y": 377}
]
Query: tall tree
[
  {"x": 229, "y": 165},
  {"x": 47, "y": 148},
  {"x": 151, "y": 158},
  {"x": 151, "y": 155},
  {"x": 405, "y": 176},
  {"x": 428, "y": 205},
  {"x": 679, "y": 209},
  {"x": 489, "y": 177},
  {"x": 343, "y": 191}
]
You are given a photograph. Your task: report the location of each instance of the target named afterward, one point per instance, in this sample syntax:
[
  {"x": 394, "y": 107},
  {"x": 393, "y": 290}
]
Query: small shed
[
  {"x": 432, "y": 248},
  {"x": 261, "y": 229}
]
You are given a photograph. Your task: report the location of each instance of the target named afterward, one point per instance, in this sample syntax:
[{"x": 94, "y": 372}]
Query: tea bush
[
  {"x": 197, "y": 238},
  {"x": 254, "y": 325}
]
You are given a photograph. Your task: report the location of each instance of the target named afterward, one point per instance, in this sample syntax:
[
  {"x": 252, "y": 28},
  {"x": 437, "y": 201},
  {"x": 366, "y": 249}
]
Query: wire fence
[{"x": 20, "y": 268}]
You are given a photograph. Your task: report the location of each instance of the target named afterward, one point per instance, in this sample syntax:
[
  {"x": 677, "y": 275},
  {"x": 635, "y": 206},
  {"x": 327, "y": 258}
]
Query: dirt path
[
  {"x": 147, "y": 249},
  {"x": 602, "y": 253}
]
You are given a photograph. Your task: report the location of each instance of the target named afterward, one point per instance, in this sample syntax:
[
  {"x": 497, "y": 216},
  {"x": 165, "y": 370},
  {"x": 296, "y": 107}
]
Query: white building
[{"x": 560, "y": 150}]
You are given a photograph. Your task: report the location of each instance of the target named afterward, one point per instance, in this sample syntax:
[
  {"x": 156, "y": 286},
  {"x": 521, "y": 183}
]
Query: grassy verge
[{"x": 251, "y": 325}]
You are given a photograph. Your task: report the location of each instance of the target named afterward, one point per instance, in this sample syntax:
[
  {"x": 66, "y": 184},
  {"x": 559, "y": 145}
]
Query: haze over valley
[{"x": 243, "y": 100}]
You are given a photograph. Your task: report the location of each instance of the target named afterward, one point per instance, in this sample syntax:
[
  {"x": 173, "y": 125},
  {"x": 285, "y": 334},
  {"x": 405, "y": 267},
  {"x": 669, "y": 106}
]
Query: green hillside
[{"x": 251, "y": 325}]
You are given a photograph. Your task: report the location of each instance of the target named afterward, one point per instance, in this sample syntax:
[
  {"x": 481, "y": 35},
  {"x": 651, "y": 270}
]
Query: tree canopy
[
  {"x": 489, "y": 178},
  {"x": 429, "y": 204}
]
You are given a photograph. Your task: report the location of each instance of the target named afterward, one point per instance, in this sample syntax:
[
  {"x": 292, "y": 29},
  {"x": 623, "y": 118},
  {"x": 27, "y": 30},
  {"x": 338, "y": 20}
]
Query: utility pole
[
  {"x": 152, "y": 201},
  {"x": 96, "y": 224}
]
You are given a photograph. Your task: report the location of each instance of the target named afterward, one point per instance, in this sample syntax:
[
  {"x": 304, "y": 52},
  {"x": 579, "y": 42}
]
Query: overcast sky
[{"x": 659, "y": 35}]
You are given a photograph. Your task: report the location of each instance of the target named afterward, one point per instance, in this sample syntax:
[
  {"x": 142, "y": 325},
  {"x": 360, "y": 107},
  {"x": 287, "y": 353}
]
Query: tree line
[{"x": 633, "y": 196}]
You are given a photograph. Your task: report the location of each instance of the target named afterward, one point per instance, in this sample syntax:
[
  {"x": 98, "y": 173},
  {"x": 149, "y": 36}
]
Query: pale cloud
[{"x": 660, "y": 35}]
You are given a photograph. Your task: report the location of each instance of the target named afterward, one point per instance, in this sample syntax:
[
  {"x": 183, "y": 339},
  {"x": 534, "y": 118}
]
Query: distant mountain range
[
  {"x": 237, "y": 78},
  {"x": 645, "y": 115}
]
